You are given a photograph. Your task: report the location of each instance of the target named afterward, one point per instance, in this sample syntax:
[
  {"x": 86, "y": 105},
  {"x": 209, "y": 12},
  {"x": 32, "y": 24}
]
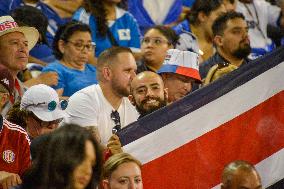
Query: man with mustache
[
  {"x": 148, "y": 93},
  {"x": 232, "y": 43},
  {"x": 179, "y": 73}
]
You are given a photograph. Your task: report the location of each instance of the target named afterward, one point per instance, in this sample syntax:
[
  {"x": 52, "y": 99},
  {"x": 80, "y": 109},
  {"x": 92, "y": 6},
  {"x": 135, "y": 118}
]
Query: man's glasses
[
  {"x": 46, "y": 123},
  {"x": 116, "y": 118},
  {"x": 80, "y": 46},
  {"x": 155, "y": 41},
  {"x": 51, "y": 106}
]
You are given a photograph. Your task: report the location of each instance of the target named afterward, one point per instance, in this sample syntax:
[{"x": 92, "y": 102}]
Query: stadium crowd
[{"x": 73, "y": 73}]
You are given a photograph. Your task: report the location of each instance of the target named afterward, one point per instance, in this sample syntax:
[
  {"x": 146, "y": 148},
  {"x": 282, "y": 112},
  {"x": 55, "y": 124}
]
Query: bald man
[
  {"x": 240, "y": 174},
  {"x": 148, "y": 93}
]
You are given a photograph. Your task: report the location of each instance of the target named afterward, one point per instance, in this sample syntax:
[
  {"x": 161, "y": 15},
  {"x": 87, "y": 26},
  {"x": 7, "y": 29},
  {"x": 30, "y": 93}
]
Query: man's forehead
[
  {"x": 147, "y": 81},
  {"x": 13, "y": 36},
  {"x": 236, "y": 22}
]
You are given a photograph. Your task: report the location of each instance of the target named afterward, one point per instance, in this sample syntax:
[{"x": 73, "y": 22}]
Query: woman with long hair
[
  {"x": 110, "y": 23},
  {"x": 70, "y": 158}
]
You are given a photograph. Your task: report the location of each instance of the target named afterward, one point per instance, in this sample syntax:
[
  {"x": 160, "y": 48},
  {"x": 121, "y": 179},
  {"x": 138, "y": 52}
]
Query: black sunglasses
[{"x": 116, "y": 118}]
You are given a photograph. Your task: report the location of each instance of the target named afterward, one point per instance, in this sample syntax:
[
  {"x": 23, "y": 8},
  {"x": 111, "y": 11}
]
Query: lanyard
[{"x": 257, "y": 19}]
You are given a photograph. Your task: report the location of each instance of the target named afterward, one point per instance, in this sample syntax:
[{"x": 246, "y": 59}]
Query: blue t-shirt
[
  {"x": 42, "y": 52},
  {"x": 124, "y": 30},
  {"x": 72, "y": 80},
  {"x": 137, "y": 9}
]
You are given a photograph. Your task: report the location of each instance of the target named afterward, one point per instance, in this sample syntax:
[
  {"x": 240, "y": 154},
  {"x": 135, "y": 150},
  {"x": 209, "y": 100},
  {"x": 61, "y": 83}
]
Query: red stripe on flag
[{"x": 252, "y": 136}]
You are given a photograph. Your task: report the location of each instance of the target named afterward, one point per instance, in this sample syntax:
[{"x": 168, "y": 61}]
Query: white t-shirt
[
  {"x": 266, "y": 13},
  {"x": 89, "y": 107}
]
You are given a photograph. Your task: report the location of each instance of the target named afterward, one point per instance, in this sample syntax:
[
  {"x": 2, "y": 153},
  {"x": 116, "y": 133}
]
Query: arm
[{"x": 48, "y": 78}]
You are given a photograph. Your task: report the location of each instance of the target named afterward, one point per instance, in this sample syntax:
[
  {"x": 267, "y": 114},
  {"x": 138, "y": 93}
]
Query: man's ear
[
  {"x": 202, "y": 17},
  {"x": 166, "y": 92},
  {"x": 61, "y": 46},
  {"x": 218, "y": 40},
  {"x": 131, "y": 99},
  {"x": 3, "y": 99},
  {"x": 105, "y": 184},
  {"x": 106, "y": 71}
]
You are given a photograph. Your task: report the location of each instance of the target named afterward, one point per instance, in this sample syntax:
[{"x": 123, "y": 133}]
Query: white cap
[
  {"x": 43, "y": 101},
  {"x": 181, "y": 62}
]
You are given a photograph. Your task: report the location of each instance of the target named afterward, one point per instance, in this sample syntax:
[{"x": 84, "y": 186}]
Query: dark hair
[
  {"x": 61, "y": 153},
  {"x": 205, "y": 6},
  {"x": 97, "y": 9},
  {"x": 17, "y": 116},
  {"x": 64, "y": 32},
  {"x": 31, "y": 16},
  {"x": 108, "y": 56},
  {"x": 167, "y": 32},
  {"x": 220, "y": 23}
]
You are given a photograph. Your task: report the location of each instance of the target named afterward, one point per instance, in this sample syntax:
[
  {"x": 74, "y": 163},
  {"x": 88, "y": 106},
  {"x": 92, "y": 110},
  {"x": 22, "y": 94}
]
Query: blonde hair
[{"x": 116, "y": 160}]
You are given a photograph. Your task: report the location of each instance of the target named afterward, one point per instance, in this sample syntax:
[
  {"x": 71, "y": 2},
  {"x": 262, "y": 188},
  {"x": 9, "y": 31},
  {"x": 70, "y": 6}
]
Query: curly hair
[
  {"x": 96, "y": 8},
  {"x": 17, "y": 116}
]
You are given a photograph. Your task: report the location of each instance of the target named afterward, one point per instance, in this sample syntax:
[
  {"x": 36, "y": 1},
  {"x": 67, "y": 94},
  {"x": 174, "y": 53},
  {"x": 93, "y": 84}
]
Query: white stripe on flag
[
  {"x": 270, "y": 169},
  {"x": 208, "y": 117}
]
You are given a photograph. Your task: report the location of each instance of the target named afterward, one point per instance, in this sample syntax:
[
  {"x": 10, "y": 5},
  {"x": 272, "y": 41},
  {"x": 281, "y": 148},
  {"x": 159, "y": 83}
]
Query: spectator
[
  {"x": 122, "y": 171},
  {"x": 105, "y": 105},
  {"x": 179, "y": 72},
  {"x": 148, "y": 93},
  {"x": 72, "y": 47},
  {"x": 230, "y": 5},
  {"x": 14, "y": 141},
  {"x": 156, "y": 42},
  {"x": 150, "y": 13},
  {"x": 196, "y": 28},
  {"x": 64, "y": 8},
  {"x": 33, "y": 17},
  {"x": 240, "y": 174},
  {"x": 258, "y": 15},
  {"x": 71, "y": 158},
  {"x": 15, "y": 43},
  {"x": 110, "y": 24},
  {"x": 232, "y": 43},
  {"x": 39, "y": 112}
]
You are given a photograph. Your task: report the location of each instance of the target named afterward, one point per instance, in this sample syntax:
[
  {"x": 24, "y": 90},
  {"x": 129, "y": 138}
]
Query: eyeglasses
[
  {"x": 51, "y": 106},
  {"x": 46, "y": 123},
  {"x": 80, "y": 46},
  {"x": 155, "y": 41},
  {"x": 116, "y": 118}
]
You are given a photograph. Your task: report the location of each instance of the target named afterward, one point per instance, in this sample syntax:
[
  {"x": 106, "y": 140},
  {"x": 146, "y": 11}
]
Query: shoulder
[
  {"x": 54, "y": 66},
  {"x": 123, "y": 14},
  {"x": 14, "y": 131},
  {"x": 87, "y": 94},
  {"x": 82, "y": 15}
]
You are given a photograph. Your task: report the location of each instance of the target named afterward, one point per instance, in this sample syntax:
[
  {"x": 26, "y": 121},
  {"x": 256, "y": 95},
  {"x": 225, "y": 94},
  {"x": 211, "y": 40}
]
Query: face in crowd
[
  {"x": 208, "y": 20},
  {"x": 235, "y": 39},
  {"x": 148, "y": 92},
  {"x": 77, "y": 49},
  {"x": 14, "y": 51},
  {"x": 154, "y": 48},
  {"x": 122, "y": 73},
  {"x": 178, "y": 85},
  {"x": 122, "y": 171},
  {"x": 83, "y": 172}
]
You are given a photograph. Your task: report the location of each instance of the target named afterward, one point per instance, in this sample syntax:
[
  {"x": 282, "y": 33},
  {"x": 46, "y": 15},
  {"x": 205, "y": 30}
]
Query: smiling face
[
  {"x": 83, "y": 172},
  {"x": 148, "y": 93},
  {"x": 154, "y": 48},
  {"x": 77, "y": 50},
  {"x": 14, "y": 51},
  {"x": 127, "y": 175}
]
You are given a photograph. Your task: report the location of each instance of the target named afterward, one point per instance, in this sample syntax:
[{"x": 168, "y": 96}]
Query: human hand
[
  {"x": 114, "y": 145},
  {"x": 48, "y": 78},
  {"x": 9, "y": 180}
]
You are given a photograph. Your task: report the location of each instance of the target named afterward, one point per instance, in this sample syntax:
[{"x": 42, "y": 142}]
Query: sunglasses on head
[{"x": 51, "y": 106}]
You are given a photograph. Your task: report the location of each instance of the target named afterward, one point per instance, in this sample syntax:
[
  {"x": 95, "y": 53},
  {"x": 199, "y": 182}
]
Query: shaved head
[
  {"x": 148, "y": 93},
  {"x": 240, "y": 174}
]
